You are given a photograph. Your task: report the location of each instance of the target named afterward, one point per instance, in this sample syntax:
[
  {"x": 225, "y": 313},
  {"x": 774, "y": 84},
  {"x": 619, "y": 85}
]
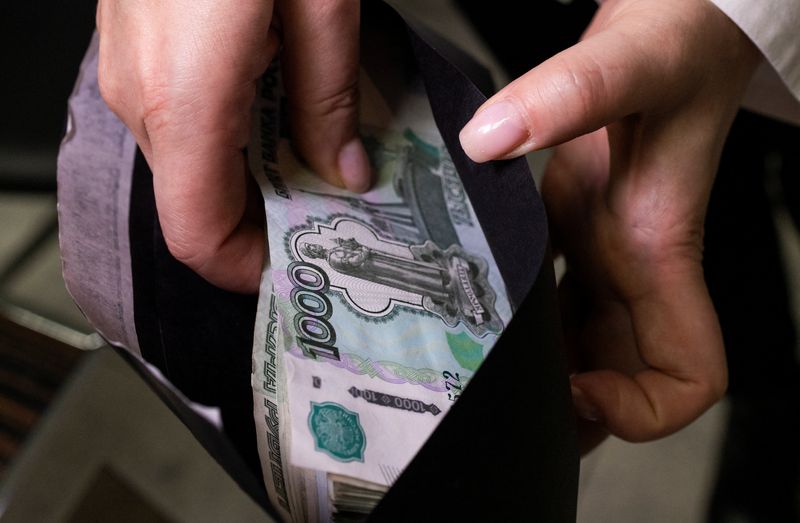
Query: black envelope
[{"x": 505, "y": 451}]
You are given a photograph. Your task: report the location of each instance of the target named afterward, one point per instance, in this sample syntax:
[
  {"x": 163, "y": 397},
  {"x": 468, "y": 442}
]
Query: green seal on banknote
[{"x": 337, "y": 431}]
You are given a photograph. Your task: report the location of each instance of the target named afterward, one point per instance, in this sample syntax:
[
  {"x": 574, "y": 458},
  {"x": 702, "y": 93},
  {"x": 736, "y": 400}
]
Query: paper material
[
  {"x": 95, "y": 168},
  {"x": 375, "y": 310}
]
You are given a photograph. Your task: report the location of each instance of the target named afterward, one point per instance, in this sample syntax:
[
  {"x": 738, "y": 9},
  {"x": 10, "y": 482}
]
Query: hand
[
  {"x": 182, "y": 76},
  {"x": 656, "y": 86}
]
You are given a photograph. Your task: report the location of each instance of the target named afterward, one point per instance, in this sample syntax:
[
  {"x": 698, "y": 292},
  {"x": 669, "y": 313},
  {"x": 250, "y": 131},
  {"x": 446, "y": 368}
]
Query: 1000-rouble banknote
[{"x": 375, "y": 309}]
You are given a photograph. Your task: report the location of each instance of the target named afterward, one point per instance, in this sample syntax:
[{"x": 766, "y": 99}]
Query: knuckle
[
  {"x": 584, "y": 84},
  {"x": 570, "y": 88},
  {"x": 133, "y": 96},
  {"x": 155, "y": 107},
  {"x": 189, "y": 251},
  {"x": 342, "y": 100},
  {"x": 110, "y": 86},
  {"x": 192, "y": 242}
]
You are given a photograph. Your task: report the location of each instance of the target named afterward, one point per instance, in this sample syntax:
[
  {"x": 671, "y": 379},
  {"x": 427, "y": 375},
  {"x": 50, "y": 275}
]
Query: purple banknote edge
[{"x": 95, "y": 167}]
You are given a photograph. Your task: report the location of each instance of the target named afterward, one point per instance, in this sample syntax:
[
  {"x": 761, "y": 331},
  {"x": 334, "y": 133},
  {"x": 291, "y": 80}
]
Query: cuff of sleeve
[{"x": 772, "y": 26}]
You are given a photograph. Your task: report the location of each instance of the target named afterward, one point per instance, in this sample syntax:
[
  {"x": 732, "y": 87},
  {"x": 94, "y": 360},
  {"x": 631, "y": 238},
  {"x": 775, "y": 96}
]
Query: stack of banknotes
[{"x": 375, "y": 310}]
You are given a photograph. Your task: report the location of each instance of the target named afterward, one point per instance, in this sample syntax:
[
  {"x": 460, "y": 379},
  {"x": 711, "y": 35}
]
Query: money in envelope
[{"x": 375, "y": 311}]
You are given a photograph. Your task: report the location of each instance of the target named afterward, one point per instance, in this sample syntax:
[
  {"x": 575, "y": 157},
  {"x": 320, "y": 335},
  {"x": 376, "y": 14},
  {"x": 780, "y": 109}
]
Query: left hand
[{"x": 644, "y": 103}]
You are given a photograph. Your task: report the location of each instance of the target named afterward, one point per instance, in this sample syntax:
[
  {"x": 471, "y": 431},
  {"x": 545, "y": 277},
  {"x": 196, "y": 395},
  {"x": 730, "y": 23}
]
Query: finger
[
  {"x": 320, "y": 64},
  {"x": 200, "y": 185},
  {"x": 114, "y": 80},
  {"x": 679, "y": 340},
  {"x": 597, "y": 81},
  {"x": 197, "y": 128}
]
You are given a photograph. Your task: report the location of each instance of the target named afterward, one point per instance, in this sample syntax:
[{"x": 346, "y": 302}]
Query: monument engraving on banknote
[
  {"x": 375, "y": 309},
  {"x": 375, "y": 274}
]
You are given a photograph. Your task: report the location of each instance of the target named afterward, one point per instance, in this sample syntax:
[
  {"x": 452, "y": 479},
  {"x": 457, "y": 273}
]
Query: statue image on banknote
[
  {"x": 375, "y": 274},
  {"x": 375, "y": 309}
]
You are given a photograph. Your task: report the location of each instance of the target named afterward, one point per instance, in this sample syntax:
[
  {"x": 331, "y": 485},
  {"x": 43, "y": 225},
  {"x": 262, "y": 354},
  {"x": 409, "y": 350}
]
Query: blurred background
[
  {"x": 41, "y": 45},
  {"x": 737, "y": 459}
]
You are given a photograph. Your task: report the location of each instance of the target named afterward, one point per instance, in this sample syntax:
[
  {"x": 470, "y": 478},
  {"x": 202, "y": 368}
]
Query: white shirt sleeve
[{"x": 774, "y": 27}]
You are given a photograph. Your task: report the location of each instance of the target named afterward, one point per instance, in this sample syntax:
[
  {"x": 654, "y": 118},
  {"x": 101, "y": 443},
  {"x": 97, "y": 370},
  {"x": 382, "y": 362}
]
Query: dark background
[{"x": 41, "y": 45}]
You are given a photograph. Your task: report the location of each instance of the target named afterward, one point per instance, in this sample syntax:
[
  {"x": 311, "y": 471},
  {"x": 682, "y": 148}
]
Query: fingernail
[
  {"x": 493, "y": 132},
  {"x": 354, "y": 166},
  {"x": 584, "y": 408}
]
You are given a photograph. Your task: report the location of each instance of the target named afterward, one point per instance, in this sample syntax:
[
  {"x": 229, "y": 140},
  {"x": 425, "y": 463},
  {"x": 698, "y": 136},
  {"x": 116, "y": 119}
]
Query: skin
[
  {"x": 641, "y": 108},
  {"x": 182, "y": 76}
]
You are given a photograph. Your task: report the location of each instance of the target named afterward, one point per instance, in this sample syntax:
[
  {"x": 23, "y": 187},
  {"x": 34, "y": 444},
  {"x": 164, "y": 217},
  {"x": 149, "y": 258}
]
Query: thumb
[
  {"x": 320, "y": 66},
  {"x": 593, "y": 83}
]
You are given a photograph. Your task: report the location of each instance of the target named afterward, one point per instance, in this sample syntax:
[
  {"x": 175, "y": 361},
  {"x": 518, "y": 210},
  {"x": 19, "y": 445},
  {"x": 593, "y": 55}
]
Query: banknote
[{"x": 375, "y": 309}]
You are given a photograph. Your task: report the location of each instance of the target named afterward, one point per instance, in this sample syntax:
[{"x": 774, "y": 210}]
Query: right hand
[{"x": 182, "y": 76}]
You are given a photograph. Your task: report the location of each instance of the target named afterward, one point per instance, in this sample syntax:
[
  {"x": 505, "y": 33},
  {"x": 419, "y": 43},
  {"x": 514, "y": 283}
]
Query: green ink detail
[
  {"x": 390, "y": 371},
  {"x": 421, "y": 145},
  {"x": 337, "y": 432},
  {"x": 366, "y": 367},
  {"x": 467, "y": 352}
]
